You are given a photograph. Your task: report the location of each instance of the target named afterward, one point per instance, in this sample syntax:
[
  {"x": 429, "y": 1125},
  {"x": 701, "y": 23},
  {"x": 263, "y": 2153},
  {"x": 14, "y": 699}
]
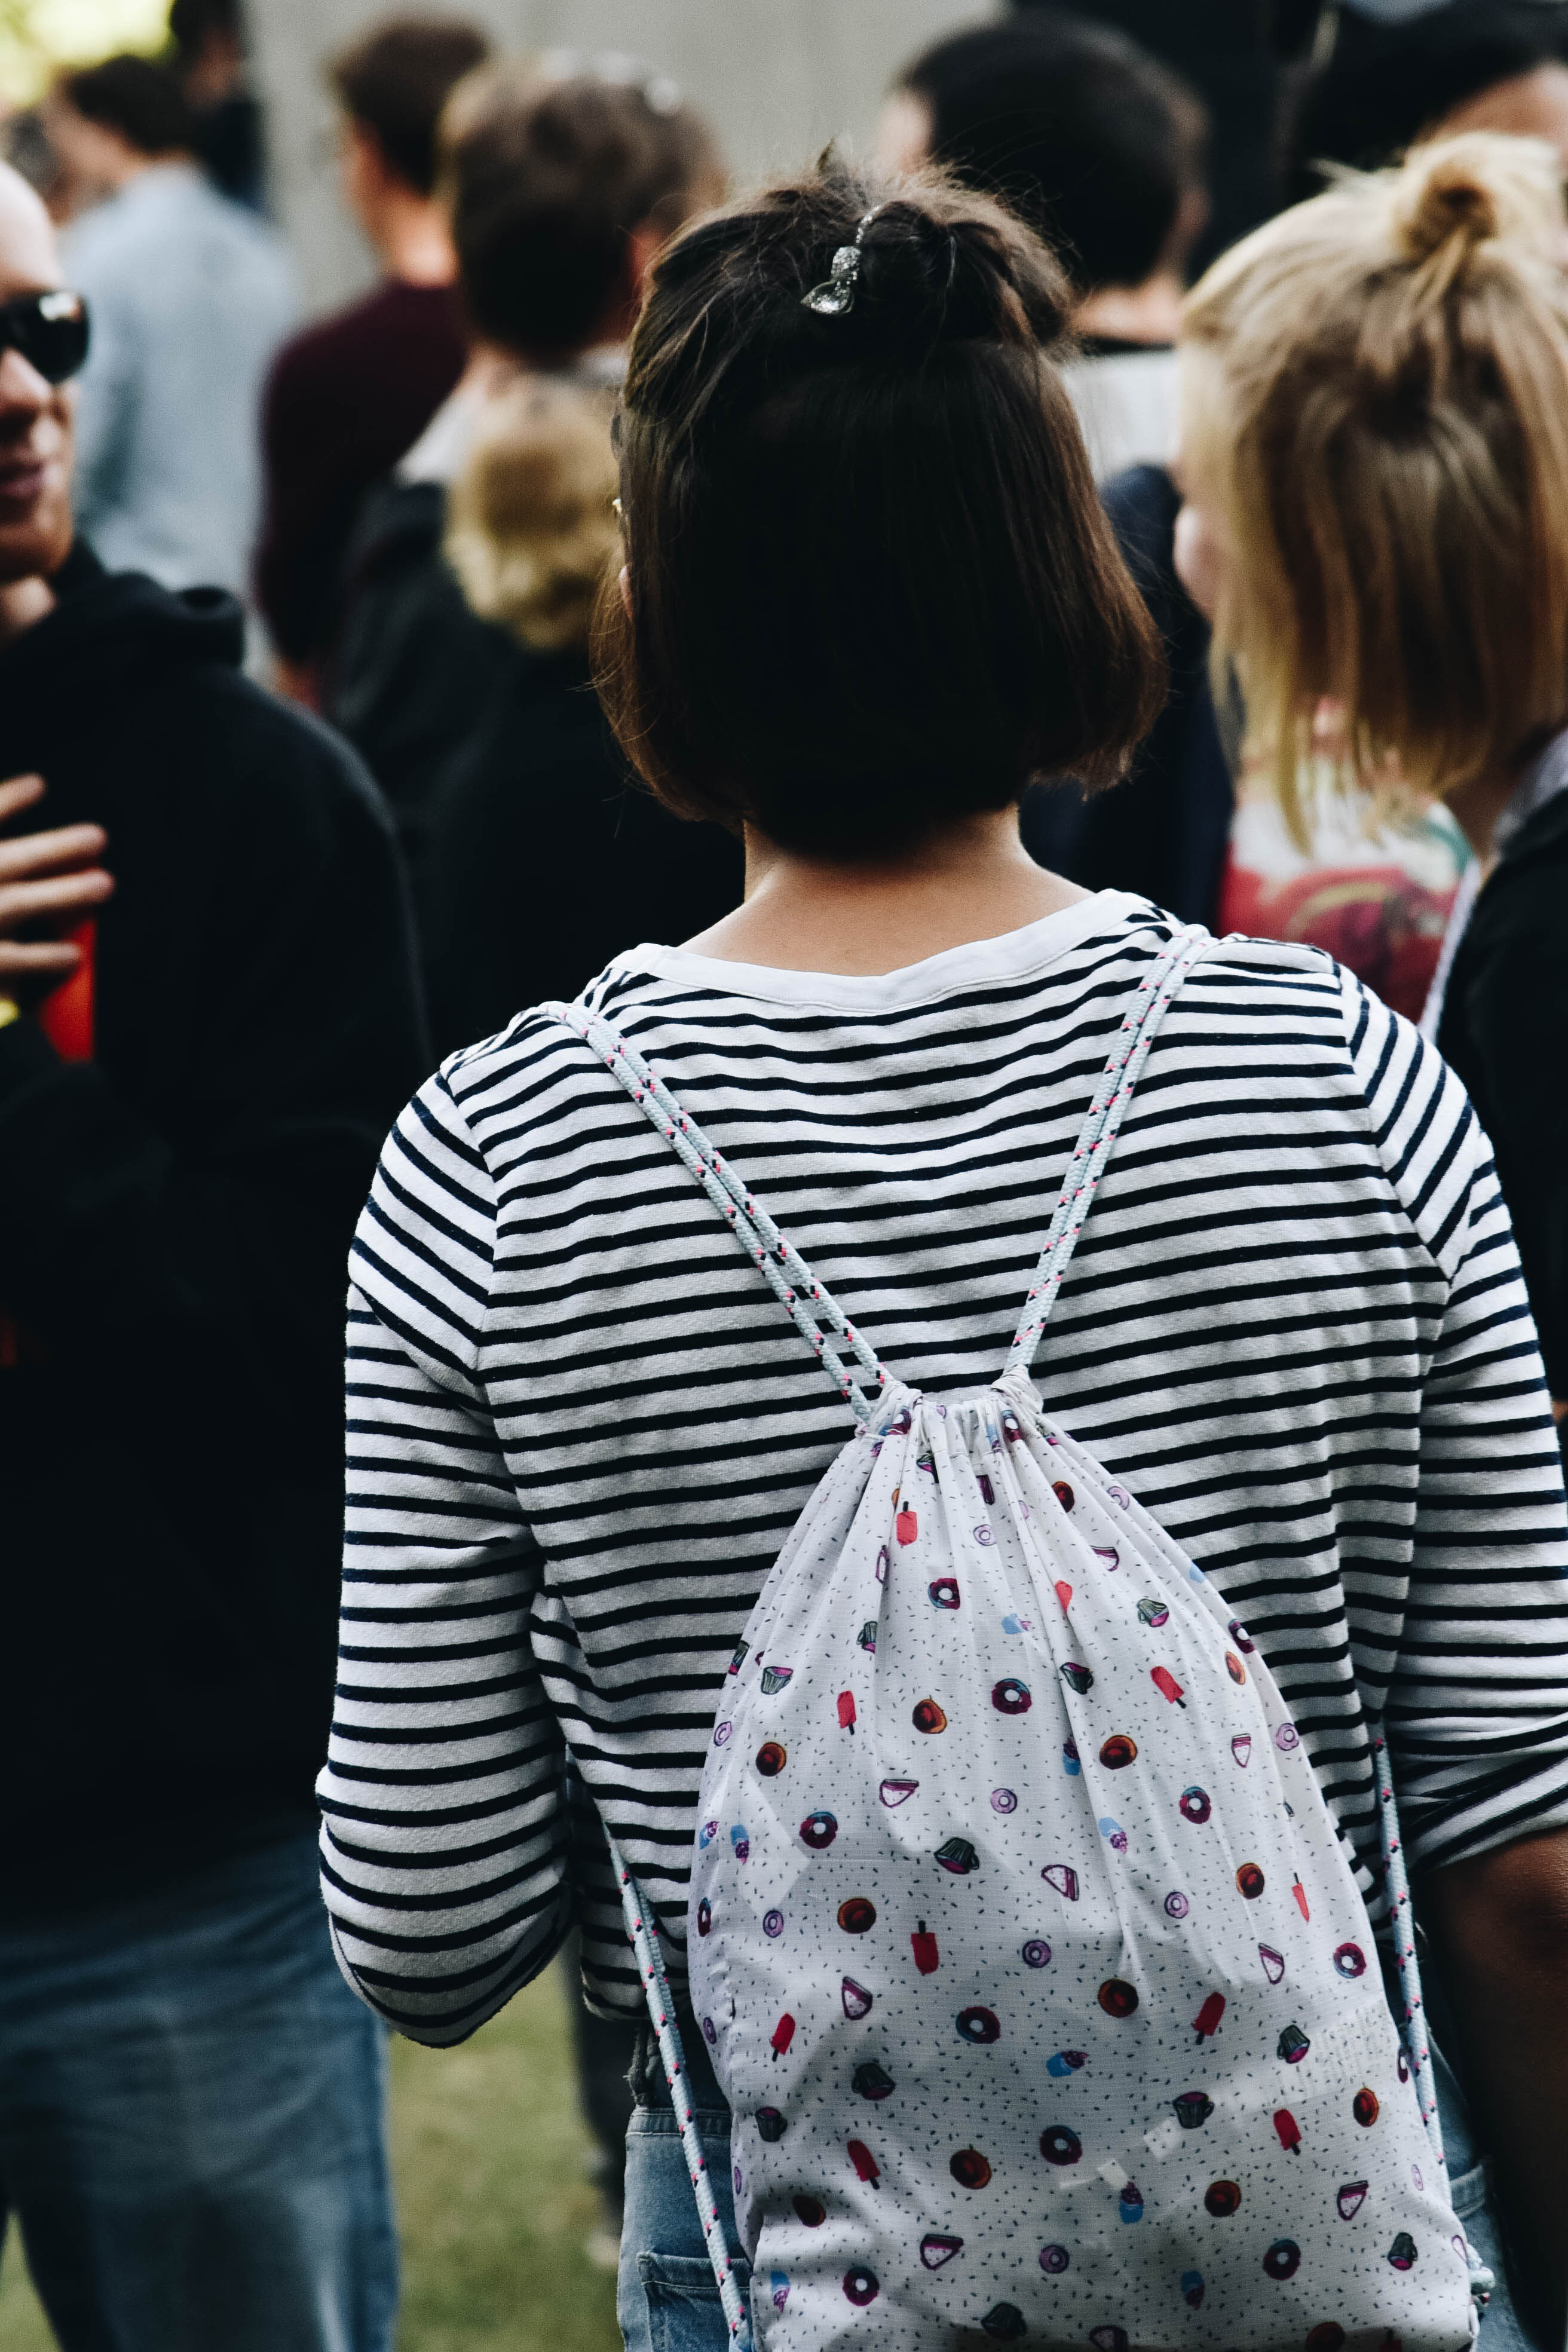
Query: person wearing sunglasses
[
  {"x": 49, "y": 330},
  {"x": 207, "y": 1014}
]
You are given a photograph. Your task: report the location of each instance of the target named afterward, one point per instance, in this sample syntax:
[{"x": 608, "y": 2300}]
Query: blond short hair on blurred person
[
  {"x": 1375, "y": 414},
  {"x": 531, "y": 526}
]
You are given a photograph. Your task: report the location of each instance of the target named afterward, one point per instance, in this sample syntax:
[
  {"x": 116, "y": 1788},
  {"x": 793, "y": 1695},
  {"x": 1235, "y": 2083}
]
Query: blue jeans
[
  {"x": 191, "y": 2119},
  {"x": 666, "y": 2300}
]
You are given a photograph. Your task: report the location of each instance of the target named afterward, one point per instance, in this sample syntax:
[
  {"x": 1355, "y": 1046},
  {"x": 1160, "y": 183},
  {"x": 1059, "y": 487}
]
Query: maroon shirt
[{"x": 345, "y": 400}]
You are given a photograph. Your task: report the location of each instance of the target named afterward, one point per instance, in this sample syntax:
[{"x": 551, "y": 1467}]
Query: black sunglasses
[{"x": 49, "y": 330}]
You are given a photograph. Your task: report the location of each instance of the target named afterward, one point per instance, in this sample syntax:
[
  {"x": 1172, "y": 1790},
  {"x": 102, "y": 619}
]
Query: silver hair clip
[{"x": 837, "y": 294}]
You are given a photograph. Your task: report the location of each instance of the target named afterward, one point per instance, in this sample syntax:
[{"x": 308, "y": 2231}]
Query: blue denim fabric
[
  {"x": 191, "y": 2119},
  {"x": 667, "y": 2302},
  {"x": 667, "y": 2299}
]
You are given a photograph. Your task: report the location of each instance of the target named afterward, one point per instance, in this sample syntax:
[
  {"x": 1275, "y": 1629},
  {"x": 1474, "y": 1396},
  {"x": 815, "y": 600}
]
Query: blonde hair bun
[
  {"x": 1480, "y": 188},
  {"x": 530, "y": 524}
]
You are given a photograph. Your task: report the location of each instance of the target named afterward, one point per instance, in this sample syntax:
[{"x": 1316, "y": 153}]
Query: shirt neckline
[{"x": 1010, "y": 955}]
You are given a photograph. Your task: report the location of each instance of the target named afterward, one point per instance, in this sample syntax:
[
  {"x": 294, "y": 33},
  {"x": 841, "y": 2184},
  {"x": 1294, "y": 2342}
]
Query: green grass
[
  {"x": 23, "y": 2327},
  {"x": 488, "y": 2151}
]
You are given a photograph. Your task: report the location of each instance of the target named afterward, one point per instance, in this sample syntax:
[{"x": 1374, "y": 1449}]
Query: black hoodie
[
  {"x": 174, "y": 1222},
  {"x": 1505, "y": 1030},
  {"x": 533, "y": 856}
]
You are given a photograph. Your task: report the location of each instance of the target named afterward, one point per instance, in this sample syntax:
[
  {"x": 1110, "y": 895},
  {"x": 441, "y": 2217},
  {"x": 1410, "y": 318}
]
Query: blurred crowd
[{"x": 306, "y": 787}]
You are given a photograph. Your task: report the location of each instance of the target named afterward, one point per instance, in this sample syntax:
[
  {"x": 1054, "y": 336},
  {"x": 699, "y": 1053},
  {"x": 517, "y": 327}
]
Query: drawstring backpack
[{"x": 1030, "y": 1960}]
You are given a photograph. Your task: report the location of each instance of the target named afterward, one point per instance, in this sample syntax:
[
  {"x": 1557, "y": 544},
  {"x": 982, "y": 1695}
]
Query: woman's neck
[
  {"x": 1477, "y": 804},
  {"x": 973, "y": 880},
  {"x": 1150, "y": 313}
]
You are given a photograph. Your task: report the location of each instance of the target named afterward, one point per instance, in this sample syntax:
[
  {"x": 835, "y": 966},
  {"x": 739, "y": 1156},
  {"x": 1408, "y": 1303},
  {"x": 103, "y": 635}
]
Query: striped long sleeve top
[{"x": 581, "y": 1426}]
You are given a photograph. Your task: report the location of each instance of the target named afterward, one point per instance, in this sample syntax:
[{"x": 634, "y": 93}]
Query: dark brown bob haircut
[{"x": 872, "y": 589}]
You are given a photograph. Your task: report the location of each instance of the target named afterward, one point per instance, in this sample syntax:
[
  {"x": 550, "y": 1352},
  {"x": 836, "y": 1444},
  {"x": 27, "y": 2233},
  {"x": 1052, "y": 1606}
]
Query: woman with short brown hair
[{"x": 868, "y": 592}]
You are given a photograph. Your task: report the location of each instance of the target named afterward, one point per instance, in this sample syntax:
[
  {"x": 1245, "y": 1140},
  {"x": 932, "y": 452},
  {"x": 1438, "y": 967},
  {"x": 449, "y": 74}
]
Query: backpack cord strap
[
  {"x": 1098, "y": 1132},
  {"x": 643, "y": 1930},
  {"x": 753, "y": 1227},
  {"x": 1403, "y": 1920}
]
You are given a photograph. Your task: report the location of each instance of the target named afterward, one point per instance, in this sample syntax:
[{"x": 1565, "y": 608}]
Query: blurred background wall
[{"x": 780, "y": 78}]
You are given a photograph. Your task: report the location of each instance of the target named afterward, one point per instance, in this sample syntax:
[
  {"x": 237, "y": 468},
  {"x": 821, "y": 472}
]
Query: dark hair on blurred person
[
  {"x": 141, "y": 100},
  {"x": 1383, "y": 85},
  {"x": 1094, "y": 143},
  {"x": 395, "y": 80},
  {"x": 193, "y": 23},
  {"x": 871, "y": 589},
  {"x": 546, "y": 182}
]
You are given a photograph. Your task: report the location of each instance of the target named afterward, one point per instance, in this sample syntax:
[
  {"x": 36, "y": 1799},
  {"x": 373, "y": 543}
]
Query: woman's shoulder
[
  {"x": 1382, "y": 1083},
  {"x": 516, "y": 1071}
]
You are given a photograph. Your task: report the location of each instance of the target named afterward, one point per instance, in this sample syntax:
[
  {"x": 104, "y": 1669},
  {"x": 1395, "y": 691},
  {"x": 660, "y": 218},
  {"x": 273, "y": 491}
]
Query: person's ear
[
  {"x": 1198, "y": 553},
  {"x": 904, "y": 133},
  {"x": 363, "y": 165},
  {"x": 1191, "y": 218},
  {"x": 641, "y": 247}
]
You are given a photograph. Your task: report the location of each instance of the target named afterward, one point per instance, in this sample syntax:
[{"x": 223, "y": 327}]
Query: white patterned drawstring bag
[{"x": 1031, "y": 1963}]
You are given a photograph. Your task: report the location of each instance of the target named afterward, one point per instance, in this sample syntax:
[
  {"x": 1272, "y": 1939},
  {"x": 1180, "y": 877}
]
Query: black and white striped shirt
[{"x": 580, "y": 1425}]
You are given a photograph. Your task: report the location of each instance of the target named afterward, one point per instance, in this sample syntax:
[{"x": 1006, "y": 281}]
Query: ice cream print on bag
[{"x": 1093, "y": 2055}]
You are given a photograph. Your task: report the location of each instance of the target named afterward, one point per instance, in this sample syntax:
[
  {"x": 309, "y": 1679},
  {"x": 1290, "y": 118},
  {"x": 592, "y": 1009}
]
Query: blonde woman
[{"x": 1375, "y": 467}]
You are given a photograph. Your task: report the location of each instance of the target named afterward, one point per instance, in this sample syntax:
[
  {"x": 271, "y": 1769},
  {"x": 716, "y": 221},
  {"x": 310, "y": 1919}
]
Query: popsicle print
[{"x": 1206, "y": 2021}]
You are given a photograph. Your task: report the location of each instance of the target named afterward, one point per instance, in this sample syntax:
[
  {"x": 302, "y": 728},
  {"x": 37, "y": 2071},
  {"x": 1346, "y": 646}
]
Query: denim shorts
[{"x": 668, "y": 2301}]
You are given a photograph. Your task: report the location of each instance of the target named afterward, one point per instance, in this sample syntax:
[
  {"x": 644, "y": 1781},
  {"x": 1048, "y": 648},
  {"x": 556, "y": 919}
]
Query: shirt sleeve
[
  {"x": 1478, "y": 1698},
  {"x": 444, "y": 1859}
]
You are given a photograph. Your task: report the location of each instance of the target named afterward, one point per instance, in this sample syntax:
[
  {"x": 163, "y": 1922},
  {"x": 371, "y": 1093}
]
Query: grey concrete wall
[{"x": 779, "y": 78}]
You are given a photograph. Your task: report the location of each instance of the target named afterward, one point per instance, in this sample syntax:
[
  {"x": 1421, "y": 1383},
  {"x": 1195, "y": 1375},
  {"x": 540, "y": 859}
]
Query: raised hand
[{"x": 48, "y": 882}]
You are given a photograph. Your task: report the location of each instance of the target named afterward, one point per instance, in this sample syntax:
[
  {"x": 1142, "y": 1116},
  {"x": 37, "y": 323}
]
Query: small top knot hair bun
[
  {"x": 1455, "y": 195},
  {"x": 836, "y": 292}
]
